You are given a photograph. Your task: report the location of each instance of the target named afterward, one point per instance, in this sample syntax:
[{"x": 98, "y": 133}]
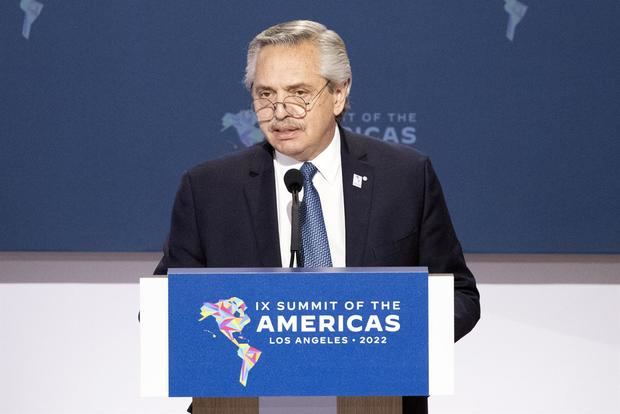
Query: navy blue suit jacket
[{"x": 225, "y": 215}]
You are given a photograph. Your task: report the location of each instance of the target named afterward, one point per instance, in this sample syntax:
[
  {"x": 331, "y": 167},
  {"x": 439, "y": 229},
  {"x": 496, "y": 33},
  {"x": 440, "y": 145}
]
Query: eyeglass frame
[{"x": 274, "y": 105}]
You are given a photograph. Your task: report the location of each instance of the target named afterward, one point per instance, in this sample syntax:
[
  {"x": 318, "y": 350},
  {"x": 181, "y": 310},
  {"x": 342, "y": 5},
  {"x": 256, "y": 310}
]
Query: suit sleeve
[
  {"x": 441, "y": 251},
  {"x": 183, "y": 247}
]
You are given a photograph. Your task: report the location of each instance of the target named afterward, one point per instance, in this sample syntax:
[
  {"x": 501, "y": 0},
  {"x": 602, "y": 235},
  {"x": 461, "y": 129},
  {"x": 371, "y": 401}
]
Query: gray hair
[{"x": 334, "y": 64}]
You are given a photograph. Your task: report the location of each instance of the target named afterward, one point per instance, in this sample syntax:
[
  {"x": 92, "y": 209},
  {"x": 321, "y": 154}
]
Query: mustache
[{"x": 286, "y": 124}]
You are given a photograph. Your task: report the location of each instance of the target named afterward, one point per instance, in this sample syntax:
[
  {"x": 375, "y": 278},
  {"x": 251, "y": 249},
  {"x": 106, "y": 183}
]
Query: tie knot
[{"x": 308, "y": 170}]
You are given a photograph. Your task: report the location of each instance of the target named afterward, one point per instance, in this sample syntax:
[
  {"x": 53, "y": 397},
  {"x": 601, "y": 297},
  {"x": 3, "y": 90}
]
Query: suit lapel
[
  {"x": 260, "y": 194},
  {"x": 357, "y": 197}
]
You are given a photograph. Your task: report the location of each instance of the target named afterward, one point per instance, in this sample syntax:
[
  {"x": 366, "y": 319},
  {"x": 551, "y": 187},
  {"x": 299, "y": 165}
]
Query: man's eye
[
  {"x": 265, "y": 94},
  {"x": 301, "y": 92}
]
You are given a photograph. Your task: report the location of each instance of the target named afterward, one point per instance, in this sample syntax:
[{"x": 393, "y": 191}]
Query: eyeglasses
[{"x": 295, "y": 106}]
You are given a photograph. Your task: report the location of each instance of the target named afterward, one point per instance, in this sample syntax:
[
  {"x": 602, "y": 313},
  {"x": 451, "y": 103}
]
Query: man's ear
[{"x": 341, "y": 92}]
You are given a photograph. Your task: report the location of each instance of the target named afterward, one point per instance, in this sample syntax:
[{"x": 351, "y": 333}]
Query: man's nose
[{"x": 279, "y": 111}]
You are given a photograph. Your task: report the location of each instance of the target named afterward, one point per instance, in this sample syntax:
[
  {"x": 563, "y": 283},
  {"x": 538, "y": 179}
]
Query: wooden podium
[
  {"x": 225, "y": 405},
  {"x": 346, "y": 405},
  {"x": 162, "y": 330}
]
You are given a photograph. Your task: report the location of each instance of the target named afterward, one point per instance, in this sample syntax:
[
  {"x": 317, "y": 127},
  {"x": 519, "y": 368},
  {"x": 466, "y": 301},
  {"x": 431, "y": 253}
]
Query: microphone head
[{"x": 293, "y": 180}]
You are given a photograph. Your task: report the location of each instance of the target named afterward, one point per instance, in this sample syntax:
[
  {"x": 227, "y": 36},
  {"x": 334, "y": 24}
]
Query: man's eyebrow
[
  {"x": 298, "y": 85},
  {"x": 258, "y": 87}
]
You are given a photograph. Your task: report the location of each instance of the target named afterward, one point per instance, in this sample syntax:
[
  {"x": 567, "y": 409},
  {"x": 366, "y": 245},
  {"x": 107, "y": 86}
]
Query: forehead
[{"x": 278, "y": 66}]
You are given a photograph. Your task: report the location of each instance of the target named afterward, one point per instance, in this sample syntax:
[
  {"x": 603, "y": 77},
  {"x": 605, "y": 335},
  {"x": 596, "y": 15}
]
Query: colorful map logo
[
  {"x": 245, "y": 124},
  {"x": 231, "y": 318}
]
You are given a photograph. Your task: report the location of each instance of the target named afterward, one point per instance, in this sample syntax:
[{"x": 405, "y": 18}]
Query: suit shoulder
[
  {"x": 384, "y": 152},
  {"x": 234, "y": 163}
]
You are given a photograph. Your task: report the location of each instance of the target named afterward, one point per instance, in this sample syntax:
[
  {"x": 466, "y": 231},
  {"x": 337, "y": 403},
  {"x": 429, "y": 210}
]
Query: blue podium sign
[{"x": 279, "y": 332}]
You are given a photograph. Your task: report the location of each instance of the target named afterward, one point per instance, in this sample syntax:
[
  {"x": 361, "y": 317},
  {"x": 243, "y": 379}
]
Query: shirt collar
[{"x": 327, "y": 162}]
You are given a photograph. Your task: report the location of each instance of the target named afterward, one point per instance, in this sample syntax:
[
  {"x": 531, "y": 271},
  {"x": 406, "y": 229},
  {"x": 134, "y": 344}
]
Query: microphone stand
[{"x": 295, "y": 231}]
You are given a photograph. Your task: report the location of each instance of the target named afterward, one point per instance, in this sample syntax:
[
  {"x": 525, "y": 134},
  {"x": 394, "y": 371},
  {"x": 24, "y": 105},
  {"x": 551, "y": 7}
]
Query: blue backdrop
[{"x": 107, "y": 103}]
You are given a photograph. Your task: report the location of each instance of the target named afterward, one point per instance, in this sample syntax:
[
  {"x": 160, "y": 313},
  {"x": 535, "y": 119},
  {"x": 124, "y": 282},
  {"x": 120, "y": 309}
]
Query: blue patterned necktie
[{"x": 314, "y": 244}]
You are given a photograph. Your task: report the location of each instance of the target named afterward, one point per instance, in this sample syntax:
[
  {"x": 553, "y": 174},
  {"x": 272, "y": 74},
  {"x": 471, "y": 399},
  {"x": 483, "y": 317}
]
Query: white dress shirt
[{"x": 328, "y": 183}]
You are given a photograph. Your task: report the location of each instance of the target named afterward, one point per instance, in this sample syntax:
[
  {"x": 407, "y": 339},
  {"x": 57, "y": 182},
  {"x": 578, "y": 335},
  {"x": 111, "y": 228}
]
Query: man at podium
[{"x": 364, "y": 202}]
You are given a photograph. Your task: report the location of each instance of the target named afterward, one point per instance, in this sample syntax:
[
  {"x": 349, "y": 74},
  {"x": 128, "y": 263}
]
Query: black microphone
[
  {"x": 294, "y": 183},
  {"x": 293, "y": 180}
]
